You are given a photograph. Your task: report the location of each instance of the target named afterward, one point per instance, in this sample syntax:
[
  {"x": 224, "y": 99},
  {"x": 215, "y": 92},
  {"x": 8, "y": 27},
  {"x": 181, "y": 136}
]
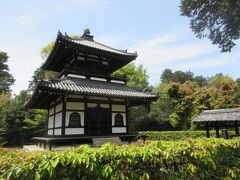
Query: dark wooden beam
[
  {"x": 236, "y": 128},
  {"x": 63, "y": 115},
  {"x": 217, "y": 132},
  {"x": 207, "y": 130},
  {"x": 127, "y": 122},
  {"x": 110, "y": 116},
  {"x": 54, "y": 112}
]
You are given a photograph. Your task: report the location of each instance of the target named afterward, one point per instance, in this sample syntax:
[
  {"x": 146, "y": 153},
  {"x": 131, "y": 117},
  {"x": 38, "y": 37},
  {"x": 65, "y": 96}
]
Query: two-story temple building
[{"x": 85, "y": 100}]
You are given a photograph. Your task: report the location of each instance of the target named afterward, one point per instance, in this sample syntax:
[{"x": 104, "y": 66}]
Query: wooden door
[{"x": 98, "y": 121}]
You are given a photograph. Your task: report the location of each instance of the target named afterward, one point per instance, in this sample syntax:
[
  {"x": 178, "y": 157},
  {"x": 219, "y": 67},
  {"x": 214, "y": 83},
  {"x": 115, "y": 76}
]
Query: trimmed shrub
[
  {"x": 199, "y": 158},
  {"x": 175, "y": 135}
]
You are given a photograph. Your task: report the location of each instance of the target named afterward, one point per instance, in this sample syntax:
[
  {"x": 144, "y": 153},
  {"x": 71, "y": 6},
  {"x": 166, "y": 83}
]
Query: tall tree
[
  {"x": 6, "y": 79},
  {"x": 219, "y": 20},
  {"x": 182, "y": 98},
  {"x": 202, "y": 81},
  {"x": 161, "y": 109},
  {"x": 238, "y": 82},
  {"x": 136, "y": 76},
  {"x": 178, "y": 76},
  {"x": 39, "y": 73},
  {"x": 219, "y": 79},
  {"x": 18, "y": 123},
  {"x": 167, "y": 76}
]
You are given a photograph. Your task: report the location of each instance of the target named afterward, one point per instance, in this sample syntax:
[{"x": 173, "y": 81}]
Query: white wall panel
[
  {"x": 124, "y": 118},
  {"x": 59, "y": 107},
  {"x": 51, "y": 111},
  {"x": 117, "y": 107},
  {"x": 104, "y": 105},
  {"x": 70, "y": 112},
  {"x": 50, "y": 122},
  {"x": 57, "y": 131},
  {"x": 75, "y": 105},
  {"x": 92, "y": 105},
  {"x": 50, "y": 132},
  {"x": 58, "y": 119},
  {"x": 119, "y": 130},
  {"x": 73, "y": 131}
]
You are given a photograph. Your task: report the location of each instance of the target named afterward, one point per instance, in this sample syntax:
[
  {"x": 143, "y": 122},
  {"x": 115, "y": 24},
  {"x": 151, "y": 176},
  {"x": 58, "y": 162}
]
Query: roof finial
[
  {"x": 87, "y": 30},
  {"x": 86, "y": 34}
]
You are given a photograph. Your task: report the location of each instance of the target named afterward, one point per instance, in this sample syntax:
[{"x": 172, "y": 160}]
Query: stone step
[
  {"x": 31, "y": 148},
  {"x": 100, "y": 141}
]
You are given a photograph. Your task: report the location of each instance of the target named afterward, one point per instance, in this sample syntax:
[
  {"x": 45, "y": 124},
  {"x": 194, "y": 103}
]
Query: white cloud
[
  {"x": 169, "y": 51},
  {"x": 203, "y": 63},
  {"x": 166, "y": 49},
  {"x": 111, "y": 40}
]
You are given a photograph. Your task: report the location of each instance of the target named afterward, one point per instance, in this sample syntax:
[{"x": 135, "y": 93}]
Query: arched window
[
  {"x": 74, "y": 120},
  {"x": 118, "y": 120}
]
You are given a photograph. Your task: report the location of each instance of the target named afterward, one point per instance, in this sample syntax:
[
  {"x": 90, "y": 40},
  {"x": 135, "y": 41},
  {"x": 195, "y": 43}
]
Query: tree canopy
[
  {"x": 6, "y": 79},
  {"x": 219, "y": 20},
  {"x": 136, "y": 76},
  {"x": 181, "y": 77},
  {"x": 39, "y": 73}
]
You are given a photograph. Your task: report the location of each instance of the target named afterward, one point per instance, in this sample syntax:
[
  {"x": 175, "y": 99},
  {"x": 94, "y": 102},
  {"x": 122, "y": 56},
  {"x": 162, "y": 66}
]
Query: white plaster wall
[
  {"x": 68, "y": 114},
  {"x": 119, "y": 130},
  {"x": 116, "y": 81},
  {"x": 59, "y": 107},
  {"x": 117, "y": 107},
  {"x": 72, "y": 131},
  {"x": 51, "y": 111},
  {"x": 58, "y": 119},
  {"x": 76, "y": 76},
  {"x": 75, "y": 105},
  {"x": 98, "y": 79},
  {"x": 75, "y": 96},
  {"x": 91, "y": 105},
  {"x": 98, "y": 98},
  {"x": 50, "y": 122},
  {"x": 104, "y": 105},
  {"x": 58, "y": 132},
  {"x": 124, "y": 118},
  {"x": 50, "y": 132}
]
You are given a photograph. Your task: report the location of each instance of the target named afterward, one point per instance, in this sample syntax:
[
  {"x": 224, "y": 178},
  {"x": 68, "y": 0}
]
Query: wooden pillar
[
  {"x": 127, "y": 122},
  {"x": 207, "y": 130},
  {"x": 64, "y": 99},
  {"x": 85, "y": 132},
  {"x": 54, "y": 118},
  {"x": 217, "y": 132},
  {"x": 236, "y": 128},
  {"x": 110, "y": 115}
]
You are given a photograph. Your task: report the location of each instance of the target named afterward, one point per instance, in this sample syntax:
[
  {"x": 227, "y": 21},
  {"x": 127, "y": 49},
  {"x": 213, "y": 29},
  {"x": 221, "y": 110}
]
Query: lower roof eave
[{"x": 42, "y": 101}]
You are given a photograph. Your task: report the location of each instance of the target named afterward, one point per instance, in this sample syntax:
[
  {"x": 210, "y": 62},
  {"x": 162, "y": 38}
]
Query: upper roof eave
[{"x": 65, "y": 39}]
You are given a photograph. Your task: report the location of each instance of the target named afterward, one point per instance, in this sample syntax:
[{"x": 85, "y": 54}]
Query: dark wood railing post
[
  {"x": 207, "y": 130},
  {"x": 217, "y": 132},
  {"x": 236, "y": 128}
]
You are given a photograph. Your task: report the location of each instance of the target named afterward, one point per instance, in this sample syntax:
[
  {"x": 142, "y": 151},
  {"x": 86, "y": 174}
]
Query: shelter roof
[{"x": 219, "y": 115}]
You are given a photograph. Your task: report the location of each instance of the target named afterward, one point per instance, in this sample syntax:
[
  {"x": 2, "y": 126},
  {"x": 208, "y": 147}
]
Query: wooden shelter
[
  {"x": 220, "y": 119},
  {"x": 85, "y": 100}
]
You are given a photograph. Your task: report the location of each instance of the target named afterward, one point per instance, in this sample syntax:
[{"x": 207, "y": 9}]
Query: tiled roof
[
  {"x": 96, "y": 45},
  {"x": 99, "y": 46},
  {"x": 231, "y": 114},
  {"x": 92, "y": 87}
]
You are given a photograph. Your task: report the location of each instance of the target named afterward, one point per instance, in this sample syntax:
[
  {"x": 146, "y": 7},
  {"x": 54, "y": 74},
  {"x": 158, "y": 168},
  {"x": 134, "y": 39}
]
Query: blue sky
[{"x": 154, "y": 29}]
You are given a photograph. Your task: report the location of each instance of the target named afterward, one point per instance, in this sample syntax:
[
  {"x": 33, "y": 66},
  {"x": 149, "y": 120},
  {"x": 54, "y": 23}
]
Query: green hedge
[
  {"x": 200, "y": 158},
  {"x": 176, "y": 135}
]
